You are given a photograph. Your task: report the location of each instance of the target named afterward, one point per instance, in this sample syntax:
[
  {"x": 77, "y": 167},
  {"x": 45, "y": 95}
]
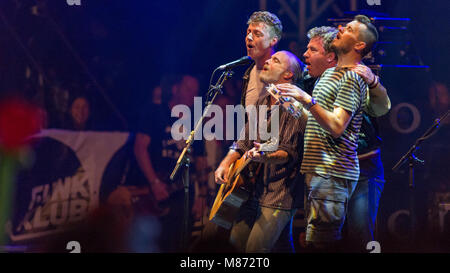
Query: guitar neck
[{"x": 246, "y": 162}]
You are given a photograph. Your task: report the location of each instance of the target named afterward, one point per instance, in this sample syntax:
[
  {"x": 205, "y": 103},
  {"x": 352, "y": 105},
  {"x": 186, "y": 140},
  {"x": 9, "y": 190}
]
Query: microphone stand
[
  {"x": 184, "y": 161},
  {"x": 412, "y": 160}
]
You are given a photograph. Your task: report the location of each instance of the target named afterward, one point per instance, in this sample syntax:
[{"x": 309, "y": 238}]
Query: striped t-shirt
[{"x": 324, "y": 154}]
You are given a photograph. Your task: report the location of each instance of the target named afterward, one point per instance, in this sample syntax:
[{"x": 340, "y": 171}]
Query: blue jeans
[
  {"x": 325, "y": 207},
  {"x": 258, "y": 228},
  {"x": 363, "y": 205}
]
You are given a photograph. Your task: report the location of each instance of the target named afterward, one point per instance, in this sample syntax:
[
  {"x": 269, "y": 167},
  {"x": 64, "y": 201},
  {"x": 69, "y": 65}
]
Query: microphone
[{"x": 242, "y": 61}]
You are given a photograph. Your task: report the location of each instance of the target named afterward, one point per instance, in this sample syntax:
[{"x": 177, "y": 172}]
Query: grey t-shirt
[{"x": 255, "y": 88}]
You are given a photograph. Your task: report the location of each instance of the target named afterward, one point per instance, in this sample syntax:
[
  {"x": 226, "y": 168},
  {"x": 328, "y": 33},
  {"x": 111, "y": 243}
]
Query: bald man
[{"x": 276, "y": 193}]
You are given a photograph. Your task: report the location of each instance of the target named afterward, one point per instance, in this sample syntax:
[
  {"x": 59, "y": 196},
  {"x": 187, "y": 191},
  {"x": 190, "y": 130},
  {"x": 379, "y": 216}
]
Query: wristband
[
  {"x": 374, "y": 83},
  {"x": 374, "y": 79},
  {"x": 311, "y": 104}
]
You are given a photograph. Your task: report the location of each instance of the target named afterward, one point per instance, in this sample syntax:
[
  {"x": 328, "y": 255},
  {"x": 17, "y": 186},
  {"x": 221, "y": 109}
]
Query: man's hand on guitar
[
  {"x": 159, "y": 190},
  {"x": 221, "y": 174},
  {"x": 256, "y": 155}
]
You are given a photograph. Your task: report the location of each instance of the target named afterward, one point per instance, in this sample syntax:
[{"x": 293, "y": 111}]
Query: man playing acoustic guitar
[{"x": 276, "y": 192}]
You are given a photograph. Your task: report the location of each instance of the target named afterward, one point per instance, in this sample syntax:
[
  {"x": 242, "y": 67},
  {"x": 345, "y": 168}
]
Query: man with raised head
[
  {"x": 330, "y": 162},
  {"x": 276, "y": 193},
  {"x": 363, "y": 204}
]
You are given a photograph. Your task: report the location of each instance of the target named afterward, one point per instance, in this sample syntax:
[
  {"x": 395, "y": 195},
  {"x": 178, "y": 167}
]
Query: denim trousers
[
  {"x": 363, "y": 205},
  {"x": 257, "y": 228},
  {"x": 326, "y": 202}
]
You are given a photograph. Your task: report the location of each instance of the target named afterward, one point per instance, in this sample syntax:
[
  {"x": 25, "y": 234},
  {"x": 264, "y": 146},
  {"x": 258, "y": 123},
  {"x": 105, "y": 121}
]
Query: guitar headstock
[{"x": 291, "y": 105}]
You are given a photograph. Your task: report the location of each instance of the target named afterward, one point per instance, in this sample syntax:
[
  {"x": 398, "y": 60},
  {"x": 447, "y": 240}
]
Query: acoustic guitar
[{"x": 233, "y": 194}]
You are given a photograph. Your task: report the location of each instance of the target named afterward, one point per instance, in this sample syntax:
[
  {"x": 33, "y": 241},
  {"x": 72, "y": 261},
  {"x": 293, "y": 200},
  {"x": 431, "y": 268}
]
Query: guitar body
[{"x": 230, "y": 196}]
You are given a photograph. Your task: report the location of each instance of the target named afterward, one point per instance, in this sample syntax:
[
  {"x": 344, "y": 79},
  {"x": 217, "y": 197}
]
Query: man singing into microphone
[
  {"x": 263, "y": 34},
  {"x": 277, "y": 192}
]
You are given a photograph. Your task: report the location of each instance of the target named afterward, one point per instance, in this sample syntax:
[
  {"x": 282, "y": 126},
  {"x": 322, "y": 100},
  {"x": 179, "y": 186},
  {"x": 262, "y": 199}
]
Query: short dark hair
[
  {"x": 369, "y": 36},
  {"x": 270, "y": 19}
]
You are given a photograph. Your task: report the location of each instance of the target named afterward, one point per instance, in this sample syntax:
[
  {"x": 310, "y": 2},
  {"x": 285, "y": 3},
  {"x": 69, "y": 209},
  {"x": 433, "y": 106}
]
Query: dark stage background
[{"x": 117, "y": 51}]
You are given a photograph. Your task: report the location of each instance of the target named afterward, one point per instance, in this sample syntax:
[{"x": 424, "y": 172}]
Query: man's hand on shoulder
[{"x": 364, "y": 72}]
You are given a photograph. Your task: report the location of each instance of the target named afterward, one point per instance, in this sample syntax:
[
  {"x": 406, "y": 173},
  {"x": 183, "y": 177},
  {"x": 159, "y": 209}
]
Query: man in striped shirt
[
  {"x": 363, "y": 204},
  {"x": 330, "y": 161}
]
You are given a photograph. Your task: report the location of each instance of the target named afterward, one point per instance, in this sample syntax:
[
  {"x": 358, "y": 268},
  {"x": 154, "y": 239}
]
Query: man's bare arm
[
  {"x": 145, "y": 164},
  {"x": 379, "y": 103},
  {"x": 334, "y": 122}
]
